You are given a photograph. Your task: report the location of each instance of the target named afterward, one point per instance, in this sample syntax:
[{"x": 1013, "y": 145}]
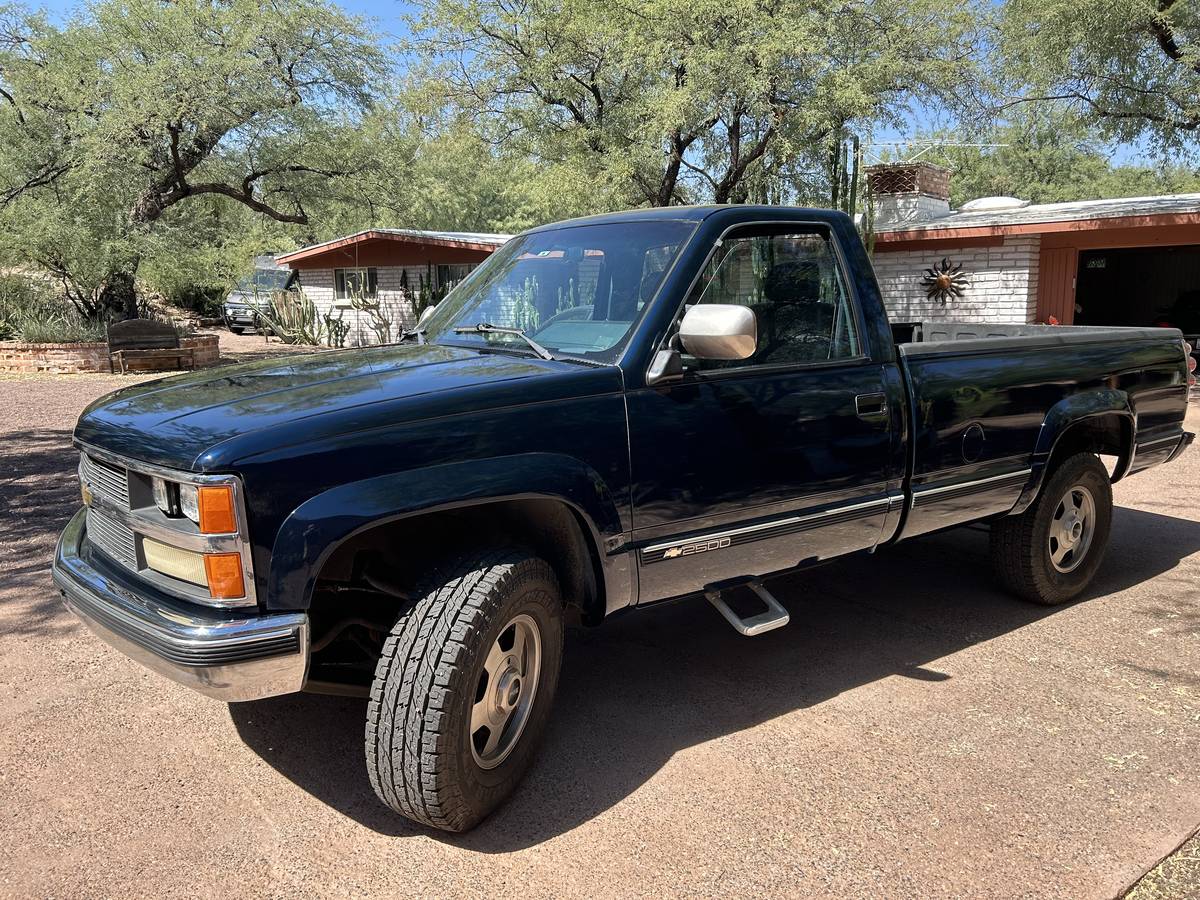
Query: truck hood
[{"x": 208, "y": 420}]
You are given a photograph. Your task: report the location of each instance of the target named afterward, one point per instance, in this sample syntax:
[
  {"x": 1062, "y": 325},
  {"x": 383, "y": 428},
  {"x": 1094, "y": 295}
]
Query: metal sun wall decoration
[{"x": 944, "y": 280}]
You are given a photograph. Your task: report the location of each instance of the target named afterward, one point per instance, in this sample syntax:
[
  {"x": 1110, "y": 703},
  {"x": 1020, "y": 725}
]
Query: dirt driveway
[{"x": 913, "y": 732}]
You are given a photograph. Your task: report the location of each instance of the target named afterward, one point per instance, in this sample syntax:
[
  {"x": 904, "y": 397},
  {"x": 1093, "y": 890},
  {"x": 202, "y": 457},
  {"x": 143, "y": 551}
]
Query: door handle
[{"x": 871, "y": 406}]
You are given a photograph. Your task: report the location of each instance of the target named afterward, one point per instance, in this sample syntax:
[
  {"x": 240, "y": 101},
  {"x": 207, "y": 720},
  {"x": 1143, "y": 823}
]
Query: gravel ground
[{"x": 913, "y": 732}]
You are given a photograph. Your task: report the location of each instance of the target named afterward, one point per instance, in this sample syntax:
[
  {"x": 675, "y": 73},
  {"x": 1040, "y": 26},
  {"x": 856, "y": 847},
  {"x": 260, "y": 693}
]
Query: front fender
[
  {"x": 1068, "y": 412},
  {"x": 318, "y": 526}
]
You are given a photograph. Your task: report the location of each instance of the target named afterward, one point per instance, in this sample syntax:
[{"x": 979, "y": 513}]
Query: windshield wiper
[{"x": 485, "y": 328}]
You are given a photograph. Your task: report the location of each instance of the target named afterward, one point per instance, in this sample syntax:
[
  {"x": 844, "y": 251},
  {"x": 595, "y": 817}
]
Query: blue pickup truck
[{"x": 608, "y": 413}]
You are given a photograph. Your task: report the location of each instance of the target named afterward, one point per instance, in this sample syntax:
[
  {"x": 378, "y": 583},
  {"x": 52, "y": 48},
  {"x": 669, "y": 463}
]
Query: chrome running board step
[{"x": 775, "y": 616}]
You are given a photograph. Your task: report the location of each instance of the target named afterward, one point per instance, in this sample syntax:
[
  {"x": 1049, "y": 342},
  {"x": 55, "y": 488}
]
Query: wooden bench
[{"x": 145, "y": 345}]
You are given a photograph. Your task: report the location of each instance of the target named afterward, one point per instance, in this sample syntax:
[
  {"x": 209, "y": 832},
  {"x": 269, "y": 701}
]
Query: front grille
[
  {"x": 113, "y": 537},
  {"x": 107, "y": 481},
  {"x": 122, "y": 515}
]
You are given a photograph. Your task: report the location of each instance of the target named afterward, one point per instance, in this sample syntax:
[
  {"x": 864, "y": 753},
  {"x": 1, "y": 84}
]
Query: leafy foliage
[
  {"x": 675, "y": 100},
  {"x": 153, "y": 146},
  {"x": 132, "y": 107},
  {"x": 1048, "y": 157},
  {"x": 1130, "y": 67}
]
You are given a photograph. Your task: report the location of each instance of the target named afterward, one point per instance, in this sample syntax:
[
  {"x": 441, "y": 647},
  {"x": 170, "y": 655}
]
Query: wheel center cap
[
  {"x": 1076, "y": 530},
  {"x": 508, "y": 691}
]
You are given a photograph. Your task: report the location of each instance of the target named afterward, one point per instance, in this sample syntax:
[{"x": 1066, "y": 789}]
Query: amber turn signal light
[
  {"x": 224, "y": 571},
  {"x": 216, "y": 510}
]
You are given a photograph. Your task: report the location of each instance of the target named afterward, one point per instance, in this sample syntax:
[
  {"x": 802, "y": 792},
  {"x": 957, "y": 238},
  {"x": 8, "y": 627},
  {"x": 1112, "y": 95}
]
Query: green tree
[
  {"x": 672, "y": 100},
  {"x": 1130, "y": 67},
  {"x": 1047, "y": 157},
  {"x": 115, "y": 122}
]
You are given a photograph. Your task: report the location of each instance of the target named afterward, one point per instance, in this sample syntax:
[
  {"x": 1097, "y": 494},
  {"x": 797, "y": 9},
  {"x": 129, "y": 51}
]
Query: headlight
[
  {"x": 189, "y": 502},
  {"x": 166, "y": 496},
  {"x": 209, "y": 507}
]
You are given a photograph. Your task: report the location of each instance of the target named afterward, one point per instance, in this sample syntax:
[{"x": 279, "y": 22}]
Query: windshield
[
  {"x": 576, "y": 290},
  {"x": 264, "y": 280}
]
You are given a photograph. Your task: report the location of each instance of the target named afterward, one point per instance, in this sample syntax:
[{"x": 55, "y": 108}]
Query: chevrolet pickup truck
[{"x": 609, "y": 413}]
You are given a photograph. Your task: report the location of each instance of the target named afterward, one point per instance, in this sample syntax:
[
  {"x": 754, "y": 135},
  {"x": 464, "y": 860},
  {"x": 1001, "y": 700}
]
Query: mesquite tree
[
  {"x": 673, "y": 100},
  {"x": 135, "y": 114}
]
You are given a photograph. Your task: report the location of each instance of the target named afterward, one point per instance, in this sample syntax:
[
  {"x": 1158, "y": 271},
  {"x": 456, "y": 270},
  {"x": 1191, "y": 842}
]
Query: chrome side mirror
[
  {"x": 425, "y": 314},
  {"x": 719, "y": 331}
]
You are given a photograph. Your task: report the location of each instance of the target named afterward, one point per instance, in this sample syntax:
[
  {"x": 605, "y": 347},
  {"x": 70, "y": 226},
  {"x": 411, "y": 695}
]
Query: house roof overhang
[
  {"x": 485, "y": 243},
  {"x": 928, "y": 234}
]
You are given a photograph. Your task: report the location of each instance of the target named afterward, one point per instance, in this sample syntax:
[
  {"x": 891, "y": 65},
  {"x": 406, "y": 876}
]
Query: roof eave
[
  {"x": 934, "y": 233},
  {"x": 363, "y": 236}
]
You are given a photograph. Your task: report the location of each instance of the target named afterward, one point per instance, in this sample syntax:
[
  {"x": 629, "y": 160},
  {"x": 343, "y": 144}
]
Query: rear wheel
[
  {"x": 1050, "y": 553},
  {"x": 463, "y": 689}
]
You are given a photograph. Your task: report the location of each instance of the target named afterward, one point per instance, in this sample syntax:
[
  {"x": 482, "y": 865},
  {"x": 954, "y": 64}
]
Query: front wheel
[
  {"x": 1050, "y": 553},
  {"x": 463, "y": 689}
]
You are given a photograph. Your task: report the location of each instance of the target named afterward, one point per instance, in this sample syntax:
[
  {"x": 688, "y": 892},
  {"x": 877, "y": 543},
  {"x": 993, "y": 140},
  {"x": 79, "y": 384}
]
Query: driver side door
[{"x": 746, "y": 467}]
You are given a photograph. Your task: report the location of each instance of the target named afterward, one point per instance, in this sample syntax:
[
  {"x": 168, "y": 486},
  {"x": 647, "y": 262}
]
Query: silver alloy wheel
[
  {"x": 505, "y": 692},
  {"x": 1071, "y": 529}
]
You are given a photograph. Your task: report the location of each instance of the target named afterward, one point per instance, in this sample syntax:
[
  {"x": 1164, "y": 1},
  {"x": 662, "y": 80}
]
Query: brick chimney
[{"x": 909, "y": 193}]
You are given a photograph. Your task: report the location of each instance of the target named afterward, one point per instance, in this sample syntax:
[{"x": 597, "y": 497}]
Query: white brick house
[
  {"x": 388, "y": 267},
  {"x": 1003, "y": 282},
  {"x": 1128, "y": 261}
]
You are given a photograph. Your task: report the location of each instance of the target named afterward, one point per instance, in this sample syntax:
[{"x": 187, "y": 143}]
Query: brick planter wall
[
  {"x": 205, "y": 347},
  {"x": 71, "y": 359}
]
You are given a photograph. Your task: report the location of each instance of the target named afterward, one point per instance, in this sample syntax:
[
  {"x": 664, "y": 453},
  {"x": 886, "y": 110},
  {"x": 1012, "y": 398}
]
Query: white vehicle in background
[{"x": 252, "y": 294}]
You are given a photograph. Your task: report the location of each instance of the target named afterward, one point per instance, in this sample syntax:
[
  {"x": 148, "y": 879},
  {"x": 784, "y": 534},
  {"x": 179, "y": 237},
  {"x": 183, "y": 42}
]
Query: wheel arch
[
  {"x": 1100, "y": 422},
  {"x": 555, "y": 505}
]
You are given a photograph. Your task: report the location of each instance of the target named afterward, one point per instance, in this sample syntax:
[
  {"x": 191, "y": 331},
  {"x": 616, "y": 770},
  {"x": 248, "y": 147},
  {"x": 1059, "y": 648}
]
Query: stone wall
[
  {"x": 1003, "y": 282},
  {"x": 72, "y": 359}
]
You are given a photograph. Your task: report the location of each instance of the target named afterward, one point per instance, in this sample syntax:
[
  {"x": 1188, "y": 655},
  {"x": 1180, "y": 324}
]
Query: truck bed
[{"x": 983, "y": 399}]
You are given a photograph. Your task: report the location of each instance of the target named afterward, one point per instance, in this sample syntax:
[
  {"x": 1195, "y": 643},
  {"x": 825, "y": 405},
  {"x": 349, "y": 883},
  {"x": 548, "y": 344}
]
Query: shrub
[
  {"x": 62, "y": 330},
  {"x": 204, "y": 299},
  {"x": 30, "y": 310}
]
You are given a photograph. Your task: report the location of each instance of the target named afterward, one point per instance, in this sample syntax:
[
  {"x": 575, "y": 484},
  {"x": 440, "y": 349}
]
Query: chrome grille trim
[
  {"x": 112, "y": 537},
  {"x": 108, "y": 481}
]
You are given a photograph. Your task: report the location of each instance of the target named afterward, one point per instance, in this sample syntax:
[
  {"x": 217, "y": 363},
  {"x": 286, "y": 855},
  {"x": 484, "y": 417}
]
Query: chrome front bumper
[{"x": 225, "y": 656}]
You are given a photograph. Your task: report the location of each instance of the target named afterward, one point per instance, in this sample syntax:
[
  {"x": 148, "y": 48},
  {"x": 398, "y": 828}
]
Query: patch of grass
[{"x": 1177, "y": 876}]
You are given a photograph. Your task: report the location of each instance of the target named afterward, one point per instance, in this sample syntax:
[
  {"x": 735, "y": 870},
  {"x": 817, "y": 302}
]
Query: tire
[
  {"x": 422, "y": 758},
  {"x": 1039, "y": 554},
  {"x": 237, "y": 329}
]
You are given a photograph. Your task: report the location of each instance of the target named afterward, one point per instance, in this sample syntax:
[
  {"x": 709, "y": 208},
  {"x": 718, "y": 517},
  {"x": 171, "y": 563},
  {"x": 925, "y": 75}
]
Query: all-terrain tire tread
[{"x": 407, "y": 747}]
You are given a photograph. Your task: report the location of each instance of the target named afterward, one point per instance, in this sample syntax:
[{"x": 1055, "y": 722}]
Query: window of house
[
  {"x": 349, "y": 284},
  {"x": 450, "y": 275},
  {"x": 794, "y": 285}
]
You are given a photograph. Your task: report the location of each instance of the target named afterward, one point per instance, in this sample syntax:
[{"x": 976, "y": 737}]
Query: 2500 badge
[{"x": 698, "y": 547}]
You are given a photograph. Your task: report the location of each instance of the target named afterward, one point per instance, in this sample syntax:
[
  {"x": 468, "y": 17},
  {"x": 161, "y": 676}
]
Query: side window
[
  {"x": 795, "y": 287},
  {"x": 350, "y": 284}
]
